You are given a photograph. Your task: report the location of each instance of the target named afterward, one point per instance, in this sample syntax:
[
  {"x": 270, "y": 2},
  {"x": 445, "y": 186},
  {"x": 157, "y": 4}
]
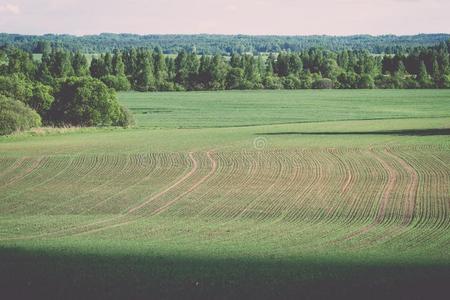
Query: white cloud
[{"x": 10, "y": 8}]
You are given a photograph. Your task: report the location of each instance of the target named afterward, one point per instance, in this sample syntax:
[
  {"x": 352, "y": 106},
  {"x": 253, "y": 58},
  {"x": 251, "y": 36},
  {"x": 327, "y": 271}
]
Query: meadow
[{"x": 260, "y": 194}]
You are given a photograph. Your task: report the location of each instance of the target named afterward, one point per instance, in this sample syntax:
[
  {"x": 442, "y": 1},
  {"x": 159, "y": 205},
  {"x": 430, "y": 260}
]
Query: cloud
[{"x": 9, "y": 9}]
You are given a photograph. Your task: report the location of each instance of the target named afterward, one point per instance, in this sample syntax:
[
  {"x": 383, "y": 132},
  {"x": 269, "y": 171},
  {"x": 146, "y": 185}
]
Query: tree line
[
  {"x": 151, "y": 70},
  {"x": 221, "y": 44}
]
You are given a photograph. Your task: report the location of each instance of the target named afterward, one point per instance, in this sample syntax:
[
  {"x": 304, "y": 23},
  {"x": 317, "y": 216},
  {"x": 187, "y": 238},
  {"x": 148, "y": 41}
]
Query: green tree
[
  {"x": 144, "y": 79},
  {"x": 84, "y": 101},
  {"x": 159, "y": 69},
  {"x": 42, "y": 98},
  {"x": 97, "y": 68},
  {"x": 235, "y": 78},
  {"x": 423, "y": 78},
  {"x": 118, "y": 66},
  {"x": 80, "y": 64},
  {"x": 181, "y": 70},
  {"x": 437, "y": 76},
  {"x": 60, "y": 64}
]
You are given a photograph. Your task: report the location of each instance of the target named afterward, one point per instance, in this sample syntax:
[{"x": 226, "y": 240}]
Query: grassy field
[{"x": 261, "y": 194}]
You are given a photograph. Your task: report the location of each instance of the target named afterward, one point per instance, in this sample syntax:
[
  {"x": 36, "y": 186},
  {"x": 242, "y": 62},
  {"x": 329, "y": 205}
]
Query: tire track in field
[
  {"x": 431, "y": 212},
  {"x": 49, "y": 179},
  {"x": 164, "y": 208},
  {"x": 384, "y": 200},
  {"x": 36, "y": 164},
  {"x": 165, "y": 191},
  {"x": 409, "y": 202},
  {"x": 13, "y": 166},
  {"x": 140, "y": 206},
  {"x": 410, "y": 196},
  {"x": 129, "y": 212},
  {"x": 192, "y": 188},
  {"x": 104, "y": 201},
  {"x": 411, "y": 190}
]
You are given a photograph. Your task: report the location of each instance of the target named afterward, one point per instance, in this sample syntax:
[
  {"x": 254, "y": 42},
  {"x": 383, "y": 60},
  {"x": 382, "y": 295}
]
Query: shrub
[
  {"x": 366, "y": 82},
  {"x": 291, "y": 82},
  {"x": 324, "y": 83},
  {"x": 16, "y": 116},
  {"x": 119, "y": 83},
  {"x": 272, "y": 82},
  {"x": 126, "y": 118}
]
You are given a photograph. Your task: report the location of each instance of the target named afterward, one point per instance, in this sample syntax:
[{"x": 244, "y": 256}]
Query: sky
[{"x": 281, "y": 17}]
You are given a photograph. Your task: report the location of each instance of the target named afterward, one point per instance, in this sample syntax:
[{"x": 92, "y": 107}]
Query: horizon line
[{"x": 228, "y": 34}]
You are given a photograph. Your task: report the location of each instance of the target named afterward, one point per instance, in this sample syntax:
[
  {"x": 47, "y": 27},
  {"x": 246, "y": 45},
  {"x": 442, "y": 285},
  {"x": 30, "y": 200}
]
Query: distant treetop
[{"x": 221, "y": 44}]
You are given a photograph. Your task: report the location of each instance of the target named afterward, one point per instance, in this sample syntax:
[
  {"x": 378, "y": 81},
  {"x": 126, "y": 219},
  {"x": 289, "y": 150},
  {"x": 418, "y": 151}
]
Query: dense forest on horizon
[{"x": 222, "y": 44}]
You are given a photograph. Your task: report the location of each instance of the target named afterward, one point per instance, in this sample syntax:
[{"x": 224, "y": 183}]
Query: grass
[
  {"x": 251, "y": 194},
  {"x": 250, "y": 108}
]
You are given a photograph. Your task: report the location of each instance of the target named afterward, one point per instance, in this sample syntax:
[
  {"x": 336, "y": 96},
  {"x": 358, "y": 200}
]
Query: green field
[{"x": 260, "y": 194}]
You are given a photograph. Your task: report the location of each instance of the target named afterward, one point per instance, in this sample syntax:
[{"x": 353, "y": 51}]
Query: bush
[
  {"x": 85, "y": 101},
  {"x": 366, "y": 82},
  {"x": 16, "y": 116},
  {"x": 389, "y": 82},
  {"x": 323, "y": 83},
  {"x": 306, "y": 80},
  {"x": 126, "y": 118},
  {"x": 446, "y": 83},
  {"x": 291, "y": 82},
  {"x": 272, "y": 82},
  {"x": 119, "y": 83}
]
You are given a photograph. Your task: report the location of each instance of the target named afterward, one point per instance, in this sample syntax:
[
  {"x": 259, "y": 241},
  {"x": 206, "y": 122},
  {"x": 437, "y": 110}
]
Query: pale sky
[{"x": 286, "y": 17}]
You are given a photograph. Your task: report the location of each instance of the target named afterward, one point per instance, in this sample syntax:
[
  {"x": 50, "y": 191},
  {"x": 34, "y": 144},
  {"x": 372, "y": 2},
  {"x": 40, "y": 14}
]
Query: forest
[{"x": 221, "y": 44}]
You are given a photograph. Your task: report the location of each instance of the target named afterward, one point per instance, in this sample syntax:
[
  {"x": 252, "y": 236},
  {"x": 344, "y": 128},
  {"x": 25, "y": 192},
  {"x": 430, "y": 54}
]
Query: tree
[
  {"x": 84, "y": 101},
  {"x": 438, "y": 77},
  {"x": 144, "y": 79},
  {"x": 108, "y": 64},
  {"x": 192, "y": 68},
  {"x": 80, "y": 64},
  {"x": 60, "y": 64},
  {"x": 218, "y": 72},
  {"x": 235, "y": 78},
  {"x": 423, "y": 78},
  {"x": 97, "y": 68},
  {"x": 295, "y": 64},
  {"x": 181, "y": 71},
  {"x": 117, "y": 79},
  {"x": 282, "y": 64},
  {"x": 118, "y": 67},
  {"x": 41, "y": 99},
  {"x": 35, "y": 94},
  {"x": 16, "y": 87},
  {"x": 16, "y": 116},
  {"x": 205, "y": 76},
  {"x": 159, "y": 68}
]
